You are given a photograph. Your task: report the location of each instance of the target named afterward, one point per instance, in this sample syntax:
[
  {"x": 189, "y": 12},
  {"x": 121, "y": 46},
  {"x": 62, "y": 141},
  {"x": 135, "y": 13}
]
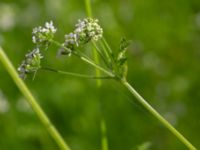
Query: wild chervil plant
[{"x": 88, "y": 31}]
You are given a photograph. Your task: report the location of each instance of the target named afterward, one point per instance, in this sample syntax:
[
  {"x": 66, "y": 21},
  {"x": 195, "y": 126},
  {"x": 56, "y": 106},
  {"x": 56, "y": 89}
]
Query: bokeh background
[{"x": 164, "y": 66}]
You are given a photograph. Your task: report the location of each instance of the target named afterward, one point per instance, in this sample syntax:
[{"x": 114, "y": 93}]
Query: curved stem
[
  {"x": 158, "y": 116},
  {"x": 32, "y": 101}
]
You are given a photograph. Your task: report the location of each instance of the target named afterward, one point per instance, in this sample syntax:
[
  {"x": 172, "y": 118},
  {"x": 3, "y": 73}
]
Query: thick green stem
[
  {"x": 31, "y": 100},
  {"x": 158, "y": 116}
]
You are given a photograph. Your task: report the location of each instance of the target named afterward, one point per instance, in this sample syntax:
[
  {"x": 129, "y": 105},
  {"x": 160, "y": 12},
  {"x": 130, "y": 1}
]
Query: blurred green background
[{"x": 164, "y": 66}]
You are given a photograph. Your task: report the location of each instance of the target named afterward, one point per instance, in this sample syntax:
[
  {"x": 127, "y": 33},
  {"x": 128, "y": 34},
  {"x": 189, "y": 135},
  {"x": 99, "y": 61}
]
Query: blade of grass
[{"x": 32, "y": 101}]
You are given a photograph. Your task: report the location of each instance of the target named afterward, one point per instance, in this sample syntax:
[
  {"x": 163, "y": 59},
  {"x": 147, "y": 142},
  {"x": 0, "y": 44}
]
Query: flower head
[
  {"x": 31, "y": 63},
  {"x": 85, "y": 30},
  {"x": 71, "y": 40},
  {"x": 88, "y": 29},
  {"x": 43, "y": 35},
  {"x": 68, "y": 46}
]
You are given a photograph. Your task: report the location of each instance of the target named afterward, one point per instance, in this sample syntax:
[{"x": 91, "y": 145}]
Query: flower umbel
[
  {"x": 43, "y": 35},
  {"x": 31, "y": 63},
  {"x": 88, "y": 29}
]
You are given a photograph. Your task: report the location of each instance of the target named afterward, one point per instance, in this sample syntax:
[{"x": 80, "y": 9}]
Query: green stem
[
  {"x": 158, "y": 116},
  {"x": 108, "y": 56},
  {"x": 144, "y": 103},
  {"x": 107, "y": 45},
  {"x": 96, "y": 58},
  {"x": 88, "y": 8},
  {"x": 97, "y": 66},
  {"x": 104, "y": 140},
  {"x": 76, "y": 74},
  {"x": 95, "y": 55},
  {"x": 101, "y": 54},
  {"x": 86, "y": 60},
  {"x": 35, "y": 106}
]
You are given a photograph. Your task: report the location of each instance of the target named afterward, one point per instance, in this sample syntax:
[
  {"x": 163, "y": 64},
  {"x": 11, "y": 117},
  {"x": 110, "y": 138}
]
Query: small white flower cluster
[
  {"x": 88, "y": 29},
  {"x": 43, "y": 34},
  {"x": 71, "y": 40},
  {"x": 31, "y": 63},
  {"x": 85, "y": 30}
]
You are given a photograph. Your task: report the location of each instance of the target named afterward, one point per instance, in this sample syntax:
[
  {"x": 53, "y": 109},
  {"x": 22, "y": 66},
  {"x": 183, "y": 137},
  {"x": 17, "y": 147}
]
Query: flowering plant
[
  {"x": 86, "y": 31},
  {"x": 115, "y": 67}
]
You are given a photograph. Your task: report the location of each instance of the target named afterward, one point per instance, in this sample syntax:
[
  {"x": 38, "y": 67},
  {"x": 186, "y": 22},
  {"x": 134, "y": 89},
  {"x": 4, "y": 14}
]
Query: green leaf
[{"x": 124, "y": 44}]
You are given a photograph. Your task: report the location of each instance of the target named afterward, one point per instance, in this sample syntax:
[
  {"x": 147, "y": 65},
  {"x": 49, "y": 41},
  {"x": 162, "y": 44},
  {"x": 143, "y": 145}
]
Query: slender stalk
[
  {"x": 104, "y": 140},
  {"x": 76, "y": 74},
  {"x": 88, "y": 8},
  {"x": 86, "y": 60},
  {"x": 107, "y": 45},
  {"x": 97, "y": 66},
  {"x": 96, "y": 58},
  {"x": 158, "y": 116},
  {"x": 108, "y": 56},
  {"x": 95, "y": 55},
  {"x": 31, "y": 100},
  {"x": 101, "y": 54}
]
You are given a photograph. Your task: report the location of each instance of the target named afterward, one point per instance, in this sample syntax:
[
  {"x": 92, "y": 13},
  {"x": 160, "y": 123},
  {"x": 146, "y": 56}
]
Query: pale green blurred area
[{"x": 164, "y": 60}]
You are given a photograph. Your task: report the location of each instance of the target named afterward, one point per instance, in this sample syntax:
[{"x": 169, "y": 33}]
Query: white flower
[
  {"x": 31, "y": 63},
  {"x": 70, "y": 40},
  {"x": 88, "y": 29},
  {"x": 43, "y": 35}
]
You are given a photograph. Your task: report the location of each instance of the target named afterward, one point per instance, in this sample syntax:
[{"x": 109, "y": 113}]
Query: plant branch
[
  {"x": 158, "y": 116},
  {"x": 32, "y": 101},
  {"x": 86, "y": 60}
]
